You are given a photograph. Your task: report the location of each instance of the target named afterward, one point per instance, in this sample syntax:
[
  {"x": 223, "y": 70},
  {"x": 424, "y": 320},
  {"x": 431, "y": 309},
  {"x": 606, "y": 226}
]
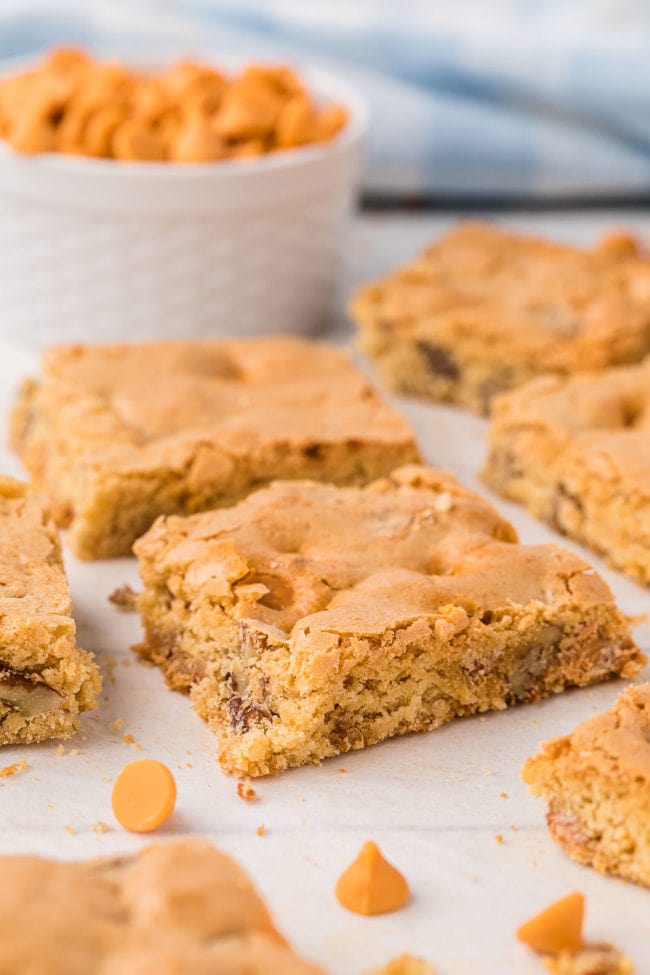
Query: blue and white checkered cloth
[{"x": 470, "y": 98}]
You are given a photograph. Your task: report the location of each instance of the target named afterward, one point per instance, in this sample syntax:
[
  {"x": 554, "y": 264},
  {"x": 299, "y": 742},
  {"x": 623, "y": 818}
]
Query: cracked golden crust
[
  {"x": 597, "y": 783},
  {"x": 180, "y": 908},
  {"x": 576, "y": 452},
  {"x": 484, "y": 309},
  {"x": 45, "y": 678},
  {"x": 311, "y": 619},
  {"x": 120, "y": 434}
]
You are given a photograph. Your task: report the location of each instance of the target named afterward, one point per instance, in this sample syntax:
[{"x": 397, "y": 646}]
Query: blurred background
[
  {"x": 472, "y": 100},
  {"x": 537, "y": 114}
]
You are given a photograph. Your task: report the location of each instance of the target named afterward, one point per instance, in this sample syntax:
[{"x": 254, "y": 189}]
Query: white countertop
[{"x": 432, "y": 801}]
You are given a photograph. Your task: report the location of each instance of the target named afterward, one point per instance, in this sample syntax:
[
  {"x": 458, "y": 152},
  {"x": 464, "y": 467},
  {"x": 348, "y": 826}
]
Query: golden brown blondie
[
  {"x": 576, "y": 452},
  {"x": 597, "y": 784},
  {"x": 484, "y": 309},
  {"x": 180, "y": 908},
  {"x": 119, "y": 434},
  {"x": 310, "y": 619},
  {"x": 46, "y": 680}
]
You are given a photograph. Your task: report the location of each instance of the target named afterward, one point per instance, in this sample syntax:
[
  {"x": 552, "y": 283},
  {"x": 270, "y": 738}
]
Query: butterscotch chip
[
  {"x": 484, "y": 309},
  {"x": 596, "y": 782},
  {"x": 297, "y": 123},
  {"x": 371, "y": 885},
  {"x": 181, "y": 908},
  {"x": 196, "y": 141},
  {"x": 100, "y": 129},
  {"x": 558, "y": 928},
  {"x": 310, "y": 619},
  {"x": 189, "y": 112},
  {"x": 46, "y": 680},
  {"x": 576, "y": 452},
  {"x": 136, "y": 140},
  {"x": 247, "y": 115},
  {"x": 120, "y": 434}
]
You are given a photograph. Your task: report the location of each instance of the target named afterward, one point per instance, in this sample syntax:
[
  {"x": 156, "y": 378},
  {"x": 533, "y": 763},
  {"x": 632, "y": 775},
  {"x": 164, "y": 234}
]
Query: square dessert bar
[
  {"x": 596, "y": 782},
  {"x": 485, "y": 309},
  {"x": 117, "y": 435},
  {"x": 576, "y": 452},
  {"x": 179, "y": 908},
  {"x": 310, "y": 619},
  {"x": 46, "y": 680}
]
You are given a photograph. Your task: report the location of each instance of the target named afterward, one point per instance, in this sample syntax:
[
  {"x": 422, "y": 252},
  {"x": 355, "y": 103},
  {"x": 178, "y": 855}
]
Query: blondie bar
[
  {"x": 576, "y": 452},
  {"x": 180, "y": 908},
  {"x": 485, "y": 309},
  {"x": 46, "y": 680},
  {"x": 310, "y": 619},
  {"x": 117, "y": 435},
  {"x": 597, "y": 785}
]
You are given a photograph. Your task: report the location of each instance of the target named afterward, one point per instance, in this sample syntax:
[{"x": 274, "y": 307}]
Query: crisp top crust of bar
[
  {"x": 606, "y": 416},
  {"x": 129, "y": 403},
  {"x": 553, "y": 300},
  {"x": 32, "y": 580},
  {"x": 614, "y": 743},
  {"x": 180, "y": 908},
  {"x": 312, "y": 558}
]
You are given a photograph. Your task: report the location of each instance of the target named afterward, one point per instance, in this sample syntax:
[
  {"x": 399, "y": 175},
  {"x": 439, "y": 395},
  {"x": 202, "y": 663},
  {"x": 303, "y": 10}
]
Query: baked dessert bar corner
[
  {"x": 596, "y": 782},
  {"x": 485, "y": 309},
  {"x": 117, "y": 435},
  {"x": 310, "y": 619},
  {"x": 177, "y": 908},
  {"x": 46, "y": 680},
  {"x": 576, "y": 452}
]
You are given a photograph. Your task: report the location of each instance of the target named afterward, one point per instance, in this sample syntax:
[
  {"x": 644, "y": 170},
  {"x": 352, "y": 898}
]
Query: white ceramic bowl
[{"x": 96, "y": 250}]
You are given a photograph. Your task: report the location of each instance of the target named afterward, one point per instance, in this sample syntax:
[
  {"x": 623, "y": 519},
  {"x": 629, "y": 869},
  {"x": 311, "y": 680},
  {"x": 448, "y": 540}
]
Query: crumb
[
  {"x": 71, "y": 830},
  {"x": 60, "y": 750},
  {"x": 261, "y": 830},
  {"x": 10, "y": 770},
  {"x": 106, "y": 778},
  {"x": 50, "y": 805},
  {"x": 128, "y": 739},
  {"x": 514, "y": 829},
  {"x": 189, "y": 764},
  {"x": 246, "y": 792},
  {"x": 499, "y": 837},
  {"x": 124, "y": 598},
  {"x": 342, "y": 770},
  {"x": 301, "y": 799},
  {"x": 116, "y": 725},
  {"x": 110, "y": 664},
  {"x": 100, "y": 827},
  {"x": 74, "y": 751},
  {"x": 504, "y": 795}
]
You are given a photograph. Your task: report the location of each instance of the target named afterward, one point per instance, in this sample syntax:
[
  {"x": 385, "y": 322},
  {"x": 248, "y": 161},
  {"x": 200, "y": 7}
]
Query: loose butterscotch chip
[
  {"x": 371, "y": 885},
  {"x": 557, "y": 928},
  {"x": 144, "y": 796}
]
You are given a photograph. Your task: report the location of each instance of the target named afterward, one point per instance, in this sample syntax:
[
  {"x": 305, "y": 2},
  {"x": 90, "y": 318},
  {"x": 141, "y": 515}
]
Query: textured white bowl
[{"x": 98, "y": 250}]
